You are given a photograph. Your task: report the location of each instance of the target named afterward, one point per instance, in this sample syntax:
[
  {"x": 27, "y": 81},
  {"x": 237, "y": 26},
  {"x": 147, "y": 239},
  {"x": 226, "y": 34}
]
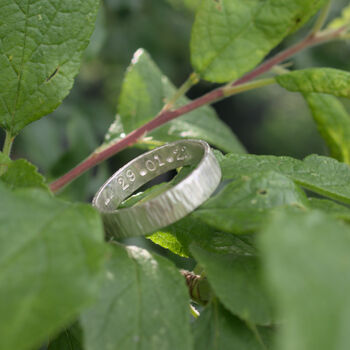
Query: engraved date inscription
[
  {"x": 125, "y": 183},
  {"x": 178, "y": 153}
]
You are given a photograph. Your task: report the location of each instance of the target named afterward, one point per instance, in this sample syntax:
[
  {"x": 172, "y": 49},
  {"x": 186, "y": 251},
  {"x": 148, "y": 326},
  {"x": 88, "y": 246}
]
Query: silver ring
[{"x": 169, "y": 206}]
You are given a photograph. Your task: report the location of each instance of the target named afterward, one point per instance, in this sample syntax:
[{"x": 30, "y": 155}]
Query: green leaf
[
  {"x": 20, "y": 173},
  {"x": 143, "y": 304},
  {"x": 322, "y": 80},
  {"x": 191, "y": 5},
  {"x": 192, "y": 230},
  {"x": 179, "y": 236},
  {"x": 168, "y": 241},
  {"x": 51, "y": 254},
  {"x": 322, "y": 175},
  {"x": 144, "y": 92},
  {"x": 217, "y": 329},
  {"x": 336, "y": 210},
  {"x": 333, "y": 122},
  {"x": 341, "y": 21},
  {"x": 243, "y": 205},
  {"x": 69, "y": 339},
  {"x": 40, "y": 50},
  {"x": 236, "y": 281},
  {"x": 306, "y": 261},
  {"x": 230, "y": 37}
]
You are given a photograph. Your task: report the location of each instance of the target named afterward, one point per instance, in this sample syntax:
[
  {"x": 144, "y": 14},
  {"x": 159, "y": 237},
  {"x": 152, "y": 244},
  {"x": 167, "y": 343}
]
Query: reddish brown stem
[{"x": 168, "y": 115}]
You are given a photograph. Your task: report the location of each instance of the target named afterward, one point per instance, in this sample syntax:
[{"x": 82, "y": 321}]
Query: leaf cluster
[{"x": 268, "y": 252}]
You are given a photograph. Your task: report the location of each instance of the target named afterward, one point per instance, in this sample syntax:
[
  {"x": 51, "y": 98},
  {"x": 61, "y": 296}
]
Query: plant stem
[
  {"x": 192, "y": 80},
  {"x": 211, "y": 97},
  {"x": 309, "y": 41},
  {"x": 8, "y": 144},
  {"x": 321, "y": 19},
  {"x": 230, "y": 90},
  {"x": 6, "y": 150}
]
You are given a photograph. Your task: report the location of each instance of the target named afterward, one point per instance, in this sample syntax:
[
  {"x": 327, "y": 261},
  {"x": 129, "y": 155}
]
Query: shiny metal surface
[{"x": 169, "y": 206}]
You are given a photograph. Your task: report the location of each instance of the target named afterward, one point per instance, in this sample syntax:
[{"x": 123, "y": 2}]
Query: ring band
[{"x": 169, "y": 206}]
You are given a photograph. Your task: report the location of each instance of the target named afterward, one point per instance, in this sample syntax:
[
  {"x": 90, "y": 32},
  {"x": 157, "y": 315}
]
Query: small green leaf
[
  {"x": 322, "y": 80},
  {"x": 69, "y": 339},
  {"x": 168, "y": 241},
  {"x": 192, "y": 230},
  {"x": 144, "y": 92},
  {"x": 341, "y": 21},
  {"x": 306, "y": 262},
  {"x": 322, "y": 175},
  {"x": 51, "y": 255},
  {"x": 143, "y": 304},
  {"x": 336, "y": 210},
  {"x": 217, "y": 329},
  {"x": 243, "y": 205},
  {"x": 236, "y": 281},
  {"x": 40, "y": 50},
  {"x": 333, "y": 122},
  {"x": 230, "y": 37},
  {"x": 20, "y": 173}
]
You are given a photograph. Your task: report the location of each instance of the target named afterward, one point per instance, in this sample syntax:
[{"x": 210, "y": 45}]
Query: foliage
[{"x": 267, "y": 255}]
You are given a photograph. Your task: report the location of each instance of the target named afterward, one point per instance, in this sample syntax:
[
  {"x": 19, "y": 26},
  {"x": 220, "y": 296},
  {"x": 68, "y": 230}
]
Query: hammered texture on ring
[{"x": 169, "y": 206}]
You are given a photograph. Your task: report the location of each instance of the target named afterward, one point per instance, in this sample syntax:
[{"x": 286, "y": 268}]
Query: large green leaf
[
  {"x": 322, "y": 80},
  {"x": 41, "y": 43},
  {"x": 230, "y": 37},
  {"x": 236, "y": 281},
  {"x": 217, "y": 329},
  {"x": 51, "y": 254},
  {"x": 319, "y": 174},
  {"x": 333, "y": 122},
  {"x": 20, "y": 173},
  {"x": 306, "y": 261},
  {"x": 144, "y": 92},
  {"x": 243, "y": 205},
  {"x": 143, "y": 304}
]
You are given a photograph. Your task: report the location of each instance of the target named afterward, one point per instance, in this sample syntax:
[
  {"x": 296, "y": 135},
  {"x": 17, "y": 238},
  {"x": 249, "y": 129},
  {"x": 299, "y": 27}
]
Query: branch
[
  {"x": 321, "y": 18},
  {"x": 209, "y": 98}
]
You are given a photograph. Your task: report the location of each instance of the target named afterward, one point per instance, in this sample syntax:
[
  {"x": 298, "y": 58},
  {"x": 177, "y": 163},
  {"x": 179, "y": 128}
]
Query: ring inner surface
[{"x": 145, "y": 168}]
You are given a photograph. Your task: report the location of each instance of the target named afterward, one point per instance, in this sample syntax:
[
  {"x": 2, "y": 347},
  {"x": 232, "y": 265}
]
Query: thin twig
[
  {"x": 6, "y": 150},
  {"x": 321, "y": 19},
  {"x": 192, "y": 80},
  {"x": 209, "y": 98}
]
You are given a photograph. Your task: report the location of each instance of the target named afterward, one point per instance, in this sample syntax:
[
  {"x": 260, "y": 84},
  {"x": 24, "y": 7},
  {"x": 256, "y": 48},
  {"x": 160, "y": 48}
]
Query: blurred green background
[{"x": 267, "y": 121}]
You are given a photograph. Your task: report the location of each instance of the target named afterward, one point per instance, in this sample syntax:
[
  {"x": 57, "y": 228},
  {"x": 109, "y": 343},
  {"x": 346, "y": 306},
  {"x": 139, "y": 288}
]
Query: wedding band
[{"x": 169, "y": 206}]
